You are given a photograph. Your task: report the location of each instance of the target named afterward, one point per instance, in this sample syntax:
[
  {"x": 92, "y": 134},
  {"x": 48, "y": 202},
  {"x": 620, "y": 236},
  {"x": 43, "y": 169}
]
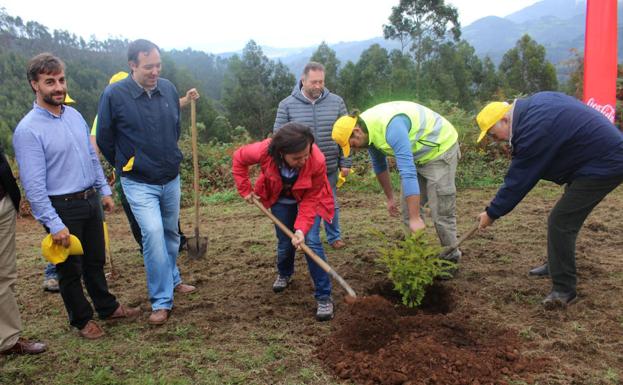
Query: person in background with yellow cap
[
  {"x": 10, "y": 322},
  {"x": 557, "y": 138},
  {"x": 426, "y": 150},
  {"x": 63, "y": 180}
]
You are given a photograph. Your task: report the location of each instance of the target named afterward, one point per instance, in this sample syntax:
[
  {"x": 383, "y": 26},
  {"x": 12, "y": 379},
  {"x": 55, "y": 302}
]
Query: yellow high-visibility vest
[{"x": 431, "y": 134}]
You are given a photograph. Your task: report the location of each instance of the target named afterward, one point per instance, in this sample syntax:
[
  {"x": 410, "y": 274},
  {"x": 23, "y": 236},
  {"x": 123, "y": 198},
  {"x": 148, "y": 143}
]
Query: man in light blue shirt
[{"x": 63, "y": 180}]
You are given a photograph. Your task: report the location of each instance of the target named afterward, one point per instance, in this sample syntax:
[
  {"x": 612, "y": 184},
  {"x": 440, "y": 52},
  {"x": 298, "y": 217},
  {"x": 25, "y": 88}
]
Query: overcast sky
[{"x": 227, "y": 25}]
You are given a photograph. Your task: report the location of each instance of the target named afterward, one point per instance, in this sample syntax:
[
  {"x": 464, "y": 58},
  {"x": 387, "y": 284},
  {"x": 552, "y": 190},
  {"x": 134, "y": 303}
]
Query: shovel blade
[{"x": 197, "y": 247}]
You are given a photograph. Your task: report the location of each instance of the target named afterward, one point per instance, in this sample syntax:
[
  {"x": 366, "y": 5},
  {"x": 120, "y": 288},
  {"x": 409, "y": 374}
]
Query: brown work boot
[
  {"x": 124, "y": 313},
  {"x": 158, "y": 317},
  {"x": 183, "y": 288},
  {"x": 339, "y": 244},
  {"x": 92, "y": 331},
  {"x": 23, "y": 346}
]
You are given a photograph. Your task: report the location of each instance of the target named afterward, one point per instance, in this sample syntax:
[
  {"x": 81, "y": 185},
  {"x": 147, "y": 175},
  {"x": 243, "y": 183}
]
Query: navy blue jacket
[
  {"x": 557, "y": 138},
  {"x": 130, "y": 123}
]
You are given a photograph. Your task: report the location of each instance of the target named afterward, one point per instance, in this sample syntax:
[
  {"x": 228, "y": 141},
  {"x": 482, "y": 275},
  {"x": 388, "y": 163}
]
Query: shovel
[
  {"x": 113, "y": 272},
  {"x": 197, "y": 245},
  {"x": 323, "y": 265},
  {"x": 465, "y": 237}
]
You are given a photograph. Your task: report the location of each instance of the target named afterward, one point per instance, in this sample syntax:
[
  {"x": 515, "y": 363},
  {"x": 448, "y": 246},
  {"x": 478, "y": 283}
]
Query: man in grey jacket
[{"x": 313, "y": 105}]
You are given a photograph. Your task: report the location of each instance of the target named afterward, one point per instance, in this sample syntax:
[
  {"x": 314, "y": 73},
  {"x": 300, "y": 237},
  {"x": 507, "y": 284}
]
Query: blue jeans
[
  {"x": 157, "y": 210},
  {"x": 332, "y": 229},
  {"x": 286, "y": 213},
  {"x": 50, "y": 272}
]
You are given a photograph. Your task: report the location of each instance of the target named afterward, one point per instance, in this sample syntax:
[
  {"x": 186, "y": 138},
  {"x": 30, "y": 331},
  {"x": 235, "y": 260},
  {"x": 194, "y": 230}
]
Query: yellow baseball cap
[
  {"x": 118, "y": 76},
  {"x": 342, "y": 129},
  {"x": 68, "y": 99},
  {"x": 489, "y": 116},
  {"x": 57, "y": 253}
]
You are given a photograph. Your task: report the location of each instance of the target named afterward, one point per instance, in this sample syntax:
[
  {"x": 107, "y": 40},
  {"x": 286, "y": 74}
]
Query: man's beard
[
  {"x": 313, "y": 93},
  {"x": 49, "y": 99}
]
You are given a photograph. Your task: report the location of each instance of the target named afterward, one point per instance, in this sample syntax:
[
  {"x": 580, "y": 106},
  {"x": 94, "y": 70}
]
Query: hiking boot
[
  {"x": 281, "y": 283},
  {"x": 51, "y": 285},
  {"x": 324, "y": 311},
  {"x": 559, "y": 300},
  {"x": 92, "y": 331},
  {"x": 339, "y": 244},
  {"x": 540, "y": 271}
]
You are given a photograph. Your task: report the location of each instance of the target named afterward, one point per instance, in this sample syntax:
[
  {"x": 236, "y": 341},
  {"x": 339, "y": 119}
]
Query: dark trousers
[
  {"x": 564, "y": 223},
  {"x": 83, "y": 218}
]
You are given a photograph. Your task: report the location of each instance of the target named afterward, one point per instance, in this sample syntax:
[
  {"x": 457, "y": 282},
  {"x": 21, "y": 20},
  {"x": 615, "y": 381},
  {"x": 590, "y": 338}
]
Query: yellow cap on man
[
  {"x": 342, "y": 129},
  {"x": 490, "y": 115},
  {"x": 55, "y": 253}
]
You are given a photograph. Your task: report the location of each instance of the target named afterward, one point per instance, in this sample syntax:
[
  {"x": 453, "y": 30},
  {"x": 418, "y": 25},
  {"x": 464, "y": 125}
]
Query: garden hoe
[
  {"x": 197, "y": 245},
  {"x": 323, "y": 265}
]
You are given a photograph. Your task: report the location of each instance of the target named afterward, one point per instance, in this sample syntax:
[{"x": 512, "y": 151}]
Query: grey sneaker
[
  {"x": 324, "y": 311},
  {"x": 281, "y": 283},
  {"x": 51, "y": 285}
]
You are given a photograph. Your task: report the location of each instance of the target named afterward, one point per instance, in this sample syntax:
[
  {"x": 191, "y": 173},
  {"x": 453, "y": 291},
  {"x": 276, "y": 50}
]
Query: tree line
[{"x": 242, "y": 92}]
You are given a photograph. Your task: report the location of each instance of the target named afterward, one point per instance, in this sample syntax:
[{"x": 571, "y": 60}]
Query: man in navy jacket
[
  {"x": 557, "y": 138},
  {"x": 138, "y": 128}
]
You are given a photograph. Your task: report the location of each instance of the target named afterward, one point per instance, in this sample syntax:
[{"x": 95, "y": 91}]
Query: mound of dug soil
[{"x": 372, "y": 343}]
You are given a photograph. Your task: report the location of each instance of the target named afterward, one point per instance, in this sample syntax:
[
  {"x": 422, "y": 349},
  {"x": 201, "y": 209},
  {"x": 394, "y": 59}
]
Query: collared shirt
[
  {"x": 312, "y": 101},
  {"x": 55, "y": 157}
]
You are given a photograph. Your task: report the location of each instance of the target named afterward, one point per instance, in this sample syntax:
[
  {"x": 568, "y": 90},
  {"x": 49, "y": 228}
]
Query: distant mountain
[{"x": 558, "y": 25}]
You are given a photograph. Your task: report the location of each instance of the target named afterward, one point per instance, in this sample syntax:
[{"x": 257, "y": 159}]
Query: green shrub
[{"x": 412, "y": 266}]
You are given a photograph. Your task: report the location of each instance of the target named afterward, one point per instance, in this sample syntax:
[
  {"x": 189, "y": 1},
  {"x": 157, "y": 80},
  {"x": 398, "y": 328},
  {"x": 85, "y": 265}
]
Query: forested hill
[{"x": 241, "y": 92}]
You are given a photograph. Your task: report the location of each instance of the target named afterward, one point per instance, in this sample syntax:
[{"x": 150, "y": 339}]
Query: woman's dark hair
[{"x": 291, "y": 138}]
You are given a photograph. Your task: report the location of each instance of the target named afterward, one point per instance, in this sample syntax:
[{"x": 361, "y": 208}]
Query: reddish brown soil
[{"x": 373, "y": 342}]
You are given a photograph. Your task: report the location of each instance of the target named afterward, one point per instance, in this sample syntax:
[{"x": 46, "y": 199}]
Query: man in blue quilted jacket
[
  {"x": 313, "y": 105},
  {"x": 557, "y": 138}
]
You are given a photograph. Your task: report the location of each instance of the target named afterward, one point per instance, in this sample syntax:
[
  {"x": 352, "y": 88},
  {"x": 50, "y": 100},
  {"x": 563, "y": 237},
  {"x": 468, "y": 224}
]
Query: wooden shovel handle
[
  {"x": 319, "y": 261},
  {"x": 193, "y": 129},
  {"x": 465, "y": 237}
]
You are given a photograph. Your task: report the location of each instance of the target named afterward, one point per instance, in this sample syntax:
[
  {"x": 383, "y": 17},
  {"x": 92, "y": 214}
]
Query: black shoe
[
  {"x": 559, "y": 300},
  {"x": 541, "y": 271},
  {"x": 183, "y": 243}
]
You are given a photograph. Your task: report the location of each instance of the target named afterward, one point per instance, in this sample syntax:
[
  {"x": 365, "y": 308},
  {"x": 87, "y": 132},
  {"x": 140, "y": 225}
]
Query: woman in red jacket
[{"x": 294, "y": 184}]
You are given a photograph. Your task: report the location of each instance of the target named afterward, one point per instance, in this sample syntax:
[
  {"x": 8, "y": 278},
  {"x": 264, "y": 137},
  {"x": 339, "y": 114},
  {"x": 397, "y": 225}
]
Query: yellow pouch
[{"x": 128, "y": 166}]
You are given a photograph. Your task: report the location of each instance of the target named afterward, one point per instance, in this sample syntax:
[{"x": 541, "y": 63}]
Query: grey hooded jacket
[{"x": 320, "y": 117}]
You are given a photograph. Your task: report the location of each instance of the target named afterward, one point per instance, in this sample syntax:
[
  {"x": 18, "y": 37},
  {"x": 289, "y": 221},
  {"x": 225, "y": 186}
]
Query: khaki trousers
[
  {"x": 10, "y": 322},
  {"x": 438, "y": 191}
]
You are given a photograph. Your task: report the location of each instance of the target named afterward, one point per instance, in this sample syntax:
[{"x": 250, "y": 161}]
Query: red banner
[{"x": 600, "y": 56}]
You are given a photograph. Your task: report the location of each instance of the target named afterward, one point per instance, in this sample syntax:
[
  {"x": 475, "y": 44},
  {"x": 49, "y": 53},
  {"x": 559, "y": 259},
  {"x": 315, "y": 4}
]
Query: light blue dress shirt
[{"x": 55, "y": 157}]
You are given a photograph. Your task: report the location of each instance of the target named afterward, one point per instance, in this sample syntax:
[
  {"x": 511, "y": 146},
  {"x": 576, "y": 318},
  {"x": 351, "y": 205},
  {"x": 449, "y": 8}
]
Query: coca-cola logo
[{"x": 606, "y": 109}]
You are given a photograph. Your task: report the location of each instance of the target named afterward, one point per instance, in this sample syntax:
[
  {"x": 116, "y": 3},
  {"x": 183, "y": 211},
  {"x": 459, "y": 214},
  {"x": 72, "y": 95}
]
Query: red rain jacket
[{"x": 311, "y": 190}]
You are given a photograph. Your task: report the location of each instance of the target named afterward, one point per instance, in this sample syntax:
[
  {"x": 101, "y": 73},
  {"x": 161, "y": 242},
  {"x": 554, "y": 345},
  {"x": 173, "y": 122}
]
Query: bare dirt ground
[{"x": 484, "y": 327}]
